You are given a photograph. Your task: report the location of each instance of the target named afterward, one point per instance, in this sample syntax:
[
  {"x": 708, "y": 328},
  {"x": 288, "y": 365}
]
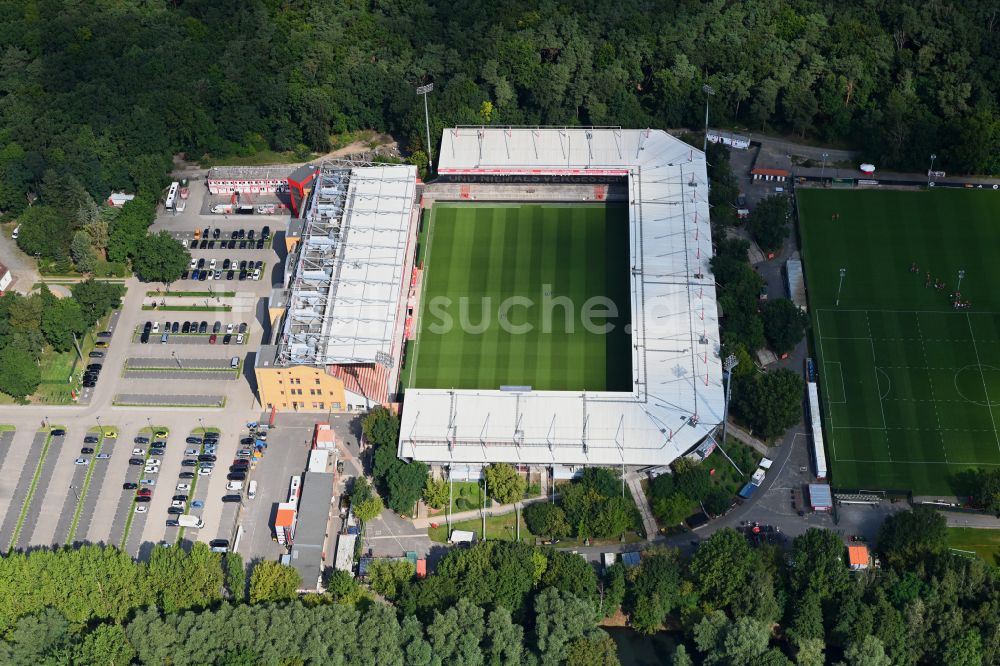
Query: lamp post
[
  {"x": 728, "y": 364},
  {"x": 843, "y": 272},
  {"x": 961, "y": 274},
  {"x": 423, "y": 90},
  {"x": 709, "y": 91},
  {"x": 174, "y": 354},
  {"x": 929, "y": 171},
  {"x": 822, "y": 171}
]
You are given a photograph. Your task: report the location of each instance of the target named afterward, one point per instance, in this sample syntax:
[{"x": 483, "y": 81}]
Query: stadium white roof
[
  {"x": 345, "y": 292},
  {"x": 677, "y": 396}
]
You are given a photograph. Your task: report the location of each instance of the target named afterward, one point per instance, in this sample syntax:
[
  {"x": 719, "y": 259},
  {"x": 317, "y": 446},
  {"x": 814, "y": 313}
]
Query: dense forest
[
  {"x": 106, "y": 91},
  {"x": 729, "y": 603}
]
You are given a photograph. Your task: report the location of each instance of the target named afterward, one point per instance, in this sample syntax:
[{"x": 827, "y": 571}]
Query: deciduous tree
[
  {"x": 271, "y": 581},
  {"x": 784, "y": 324},
  {"x": 504, "y": 483},
  {"x": 160, "y": 258}
]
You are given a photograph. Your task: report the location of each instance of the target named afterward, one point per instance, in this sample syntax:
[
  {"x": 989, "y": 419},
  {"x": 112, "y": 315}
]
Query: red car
[
  {"x": 212, "y": 338},
  {"x": 145, "y": 492}
]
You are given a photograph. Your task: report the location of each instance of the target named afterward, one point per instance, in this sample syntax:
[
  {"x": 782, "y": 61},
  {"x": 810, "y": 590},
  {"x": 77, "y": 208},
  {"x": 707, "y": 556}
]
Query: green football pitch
[
  {"x": 505, "y": 288},
  {"x": 910, "y": 385}
]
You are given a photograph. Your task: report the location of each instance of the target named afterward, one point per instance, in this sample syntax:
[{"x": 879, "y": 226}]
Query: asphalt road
[
  {"x": 101, "y": 472},
  {"x": 31, "y": 517}
]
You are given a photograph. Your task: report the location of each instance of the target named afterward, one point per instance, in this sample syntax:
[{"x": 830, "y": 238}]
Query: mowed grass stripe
[{"x": 480, "y": 251}]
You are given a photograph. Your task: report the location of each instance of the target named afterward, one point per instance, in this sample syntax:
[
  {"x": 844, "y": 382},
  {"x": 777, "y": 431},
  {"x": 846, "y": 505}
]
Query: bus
[{"x": 172, "y": 196}]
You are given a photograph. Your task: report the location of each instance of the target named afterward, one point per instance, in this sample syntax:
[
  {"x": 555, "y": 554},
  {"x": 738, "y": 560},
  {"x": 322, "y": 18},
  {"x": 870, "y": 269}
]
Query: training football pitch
[
  {"x": 910, "y": 385},
  {"x": 504, "y": 292}
]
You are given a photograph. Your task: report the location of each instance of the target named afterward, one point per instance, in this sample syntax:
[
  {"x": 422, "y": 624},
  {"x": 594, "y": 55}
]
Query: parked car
[
  {"x": 81, "y": 461},
  {"x": 136, "y": 461},
  {"x": 91, "y": 439},
  {"x": 175, "y": 510},
  {"x": 175, "y": 327},
  {"x": 219, "y": 543},
  {"x": 129, "y": 485},
  {"x": 243, "y": 327},
  {"x": 227, "y": 339},
  {"x": 212, "y": 338},
  {"x": 186, "y": 475},
  {"x": 96, "y": 354},
  {"x": 231, "y": 498},
  {"x": 85, "y": 450},
  {"x": 203, "y": 327},
  {"x": 236, "y": 476}
]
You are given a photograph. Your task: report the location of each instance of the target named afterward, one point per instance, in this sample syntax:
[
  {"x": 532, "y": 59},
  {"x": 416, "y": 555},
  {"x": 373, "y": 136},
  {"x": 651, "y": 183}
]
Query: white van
[{"x": 252, "y": 490}]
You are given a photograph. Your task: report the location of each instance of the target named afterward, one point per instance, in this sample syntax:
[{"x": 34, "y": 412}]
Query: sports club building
[{"x": 676, "y": 399}]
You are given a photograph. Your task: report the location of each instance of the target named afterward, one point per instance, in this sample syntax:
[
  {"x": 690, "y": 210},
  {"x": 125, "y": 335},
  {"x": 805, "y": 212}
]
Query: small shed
[
  {"x": 858, "y": 558},
  {"x": 820, "y": 497},
  {"x": 630, "y": 560}
]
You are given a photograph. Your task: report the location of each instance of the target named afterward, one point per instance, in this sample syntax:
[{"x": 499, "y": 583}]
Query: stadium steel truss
[
  {"x": 344, "y": 292},
  {"x": 677, "y": 396}
]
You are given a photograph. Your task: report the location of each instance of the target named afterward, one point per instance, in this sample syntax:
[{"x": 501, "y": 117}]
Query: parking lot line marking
[
  {"x": 31, "y": 491},
  {"x": 83, "y": 490}
]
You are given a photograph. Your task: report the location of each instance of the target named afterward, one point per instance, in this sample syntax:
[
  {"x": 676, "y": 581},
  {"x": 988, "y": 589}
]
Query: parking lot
[
  {"x": 56, "y": 488},
  {"x": 126, "y": 487}
]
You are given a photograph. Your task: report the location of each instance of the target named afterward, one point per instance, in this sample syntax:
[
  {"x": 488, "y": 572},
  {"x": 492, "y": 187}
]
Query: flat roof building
[
  {"x": 339, "y": 311},
  {"x": 309, "y": 547}
]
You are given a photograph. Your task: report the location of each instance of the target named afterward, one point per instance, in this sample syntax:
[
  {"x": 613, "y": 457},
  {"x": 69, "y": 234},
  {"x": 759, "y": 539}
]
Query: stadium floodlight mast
[
  {"x": 709, "y": 91},
  {"x": 423, "y": 90},
  {"x": 728, "y": 364},
  {"x": 931, "y": 170},
  {"x": 822, "y": 171},
  {"x": 843, "y": 272},
  {"x": 961, "y": 274}
]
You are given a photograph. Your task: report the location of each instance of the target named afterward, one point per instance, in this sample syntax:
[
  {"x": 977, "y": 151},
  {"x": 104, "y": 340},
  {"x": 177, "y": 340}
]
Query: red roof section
[
  {"x": 370, "y": 380},
  {"x": 771, "y": 172},
  {"x": 858, "y": 555}
]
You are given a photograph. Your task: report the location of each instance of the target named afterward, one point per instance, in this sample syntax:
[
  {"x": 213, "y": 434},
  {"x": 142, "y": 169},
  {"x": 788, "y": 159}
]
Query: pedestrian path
[
  {"x": 633, "y": 480},
  {"x": 496, "y": 510}
]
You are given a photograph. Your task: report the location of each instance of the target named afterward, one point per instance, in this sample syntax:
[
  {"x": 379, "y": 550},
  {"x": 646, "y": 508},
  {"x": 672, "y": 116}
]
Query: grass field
[
  {"x": 984, "y": 543},
  {"x": 480, "y": 255},
  {"x": 910, "y": 385}
]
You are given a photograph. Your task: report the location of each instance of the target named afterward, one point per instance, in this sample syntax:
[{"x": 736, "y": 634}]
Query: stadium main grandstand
[{"x": 515, "y": 213}]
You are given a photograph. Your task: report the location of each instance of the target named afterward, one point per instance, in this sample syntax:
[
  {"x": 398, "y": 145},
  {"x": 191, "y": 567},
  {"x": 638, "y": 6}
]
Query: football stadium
[
  {"x": 547, "y": 300},
  {"x": 906, "y": 326},
  {"x": 566, "y": 315}
]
